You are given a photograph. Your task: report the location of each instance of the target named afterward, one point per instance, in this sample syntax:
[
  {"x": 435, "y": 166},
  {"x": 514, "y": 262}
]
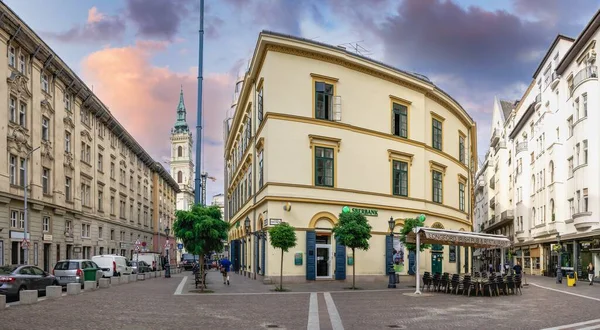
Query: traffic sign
[
  {"x": 167, "y": 245},
  {"x": 25, "y": 244},
  {"x": 180, "y": 246}
]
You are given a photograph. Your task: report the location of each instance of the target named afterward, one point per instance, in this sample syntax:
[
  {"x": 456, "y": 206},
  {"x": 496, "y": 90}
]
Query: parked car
[
  {"x": 188, "y": 260},
  {"x": 112, "y": 265},
  {"x": 151, "y": 258},
  {"x": 140, "y": 267},
  {"x": 16, "y": 278},
  {"x": 73, "y": 271}
]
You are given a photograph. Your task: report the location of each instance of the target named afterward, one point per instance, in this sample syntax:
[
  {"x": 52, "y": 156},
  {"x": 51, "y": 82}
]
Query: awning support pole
[
  {"x": 501, "y": 260},
  {"x": 418, "y": 257}
]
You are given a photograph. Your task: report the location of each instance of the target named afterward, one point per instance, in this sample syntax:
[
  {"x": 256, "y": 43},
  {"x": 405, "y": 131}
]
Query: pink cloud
[
  {"x": 94, "y": 16},
  {"x": 144, "y": 98}
]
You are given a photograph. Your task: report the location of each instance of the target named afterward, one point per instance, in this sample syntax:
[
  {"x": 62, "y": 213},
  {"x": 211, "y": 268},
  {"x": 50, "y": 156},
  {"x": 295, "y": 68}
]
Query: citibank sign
[{"x": 365, "y": 212}]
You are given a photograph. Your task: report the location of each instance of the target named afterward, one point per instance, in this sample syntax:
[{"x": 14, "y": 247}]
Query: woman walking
[{"x": 591, "y": 269}]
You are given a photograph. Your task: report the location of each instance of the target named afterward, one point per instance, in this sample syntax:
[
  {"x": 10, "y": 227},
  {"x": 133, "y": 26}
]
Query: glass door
[{"x": 323, "y": 262}]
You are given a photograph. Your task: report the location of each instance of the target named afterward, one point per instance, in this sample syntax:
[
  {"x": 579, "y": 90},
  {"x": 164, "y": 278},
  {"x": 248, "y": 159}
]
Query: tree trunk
[
  {"x": 353, "y": 270},
  {"x": 281, "y": 273},
  {"x": 202, "y": 273}
]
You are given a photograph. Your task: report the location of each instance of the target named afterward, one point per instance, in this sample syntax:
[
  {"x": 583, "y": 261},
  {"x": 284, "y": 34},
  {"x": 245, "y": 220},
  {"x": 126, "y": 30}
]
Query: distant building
[
  {"x": 219, "y": 200},
  {"x": 182, "y": 167}
]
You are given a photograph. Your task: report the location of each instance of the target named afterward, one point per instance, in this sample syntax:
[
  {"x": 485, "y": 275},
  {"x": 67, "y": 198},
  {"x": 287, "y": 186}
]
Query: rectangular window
[
  {"x": 323, "y": 101},
  {"x": 585, "y": 107},
  {"x": 585, "y": 200},
  {"x": 570, "y": 160},
  {"x": 45, "y": 181},
  {"x": 100, "y": 162},
  {"x": 67, "y": 142},
  {"x": 14, "y": 216},
  {"x": 100, "y": 233},
  {"x": 100, "y": 200},
  {"x": 21, "y": 220},
  {"x": 12, "y": 56},
  {"x": 23, "y": 114},
  {"x": 437, "y": 186},
  {"x": 67, "y": 189},
  {"x": 45, "y": 85},
  {"x": 259, "y": 106},
  {"x": 67, "y": 101},
  {"x": 85, "y": 230},
  {"x": 112, "y": 170},
  {"x": 400, "y": 120},
  {"x": 461, "y": 149},
  {"x": 260, "y": 169},
  {"x": 570, "y": 125},
  {"x": 22, "y": 64},
  {"x": 22, "y": 172},
  {"x": 461, "y": 196},
  {"x": 45, "y": 129},
  {"x": 46, "y": 224},
  {"x": 585, "y": 151},
  {"x": 13, "y": 169},
  {"x": 436, "y": 134},
  {"x": 324, "y": 167},
  {"x": 400, "y": 178},
  {"x": 250, "y": 182},
  {"x": 12, "y": 109},
  {"x": 112, "y": 205},
  {"x": 85, "y": 194}
]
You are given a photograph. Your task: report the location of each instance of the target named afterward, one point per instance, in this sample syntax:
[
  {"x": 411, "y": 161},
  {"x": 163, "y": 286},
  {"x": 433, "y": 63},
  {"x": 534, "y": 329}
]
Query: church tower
[{"x": 182, "y": 167}]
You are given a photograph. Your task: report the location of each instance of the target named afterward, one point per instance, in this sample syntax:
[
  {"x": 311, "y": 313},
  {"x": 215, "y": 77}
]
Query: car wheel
[{"x": 55, "y": 283}]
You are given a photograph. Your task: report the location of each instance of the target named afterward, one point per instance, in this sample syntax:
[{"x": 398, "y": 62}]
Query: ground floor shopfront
[
  {"x": 56, "y": 234},
  {"x": 318, "y": 256}
]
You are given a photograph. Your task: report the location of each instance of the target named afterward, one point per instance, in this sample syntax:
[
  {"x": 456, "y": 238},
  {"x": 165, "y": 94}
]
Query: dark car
[
  {"x": 188, "y": 260},
  {"x": 140, "y": 267},
  {"x": 16, "y": 278}
]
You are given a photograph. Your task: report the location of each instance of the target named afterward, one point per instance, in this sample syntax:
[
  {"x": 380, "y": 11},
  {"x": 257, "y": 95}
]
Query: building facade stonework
[
  {"x": 317, "y": 129},
  {"x": 182, "y": 167},
  {"x": 92, "y": 188}
]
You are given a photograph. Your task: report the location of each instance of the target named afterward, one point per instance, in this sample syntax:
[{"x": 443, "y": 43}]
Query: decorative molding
[
  {"x": 69, "y": 122},
  {"x": 46, "y": 107},
  {"x": 4, "y": 200},
  {"x": 260, "y": 144},
  {"x": 433, "y": 165},
  {"x": 330, "y": 140},
  {"x": 69, "y": 160},
  {"x": 18, "y": 139},
  {"x": 85, "y": 133},
  {"x": 317, "y": 76},
  {"x": 18, "y": 85},
  {"x": 462, "y": 178},
  {"x": 399, "y": 155},
  {"x": 47, "y": 151},
  {"x": 436, "y": 116},
  {"x": 400, "y": 100},
  {"x": 37, "y": 206}
]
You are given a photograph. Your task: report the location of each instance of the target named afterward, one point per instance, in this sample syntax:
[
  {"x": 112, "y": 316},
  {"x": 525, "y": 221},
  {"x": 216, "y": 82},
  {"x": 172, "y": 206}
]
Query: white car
[{"x": 112, "y": 265}]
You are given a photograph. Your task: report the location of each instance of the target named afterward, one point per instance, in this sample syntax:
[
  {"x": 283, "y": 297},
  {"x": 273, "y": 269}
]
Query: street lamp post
[
  {"x": 25, "y": 215},
  {"x": 391, "y": 273},
  {"x": 168, "y": 263},
  {"x": 558, "y": 267},
  {"x": 247, "y": 228}
]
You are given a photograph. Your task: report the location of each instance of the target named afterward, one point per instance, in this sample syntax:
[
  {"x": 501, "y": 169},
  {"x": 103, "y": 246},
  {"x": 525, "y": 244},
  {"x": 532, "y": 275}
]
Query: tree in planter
[
  {"x": 202, "y": 231},
  {"x": 353, "y": 231},
  {"x": 283, "y": 236},
  {"x": 409, "y": 225}
]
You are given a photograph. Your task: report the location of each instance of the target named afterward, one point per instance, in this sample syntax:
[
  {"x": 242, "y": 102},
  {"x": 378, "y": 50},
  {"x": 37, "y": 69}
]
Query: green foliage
[
  {"x": 353, "y": 230},
  {"x": 283, "y": 236},
  {"x": 201, "y": 229},
  {"x": 409, "y": 225}
]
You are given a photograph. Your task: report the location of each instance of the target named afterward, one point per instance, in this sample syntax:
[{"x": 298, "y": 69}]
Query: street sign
[
  {"x": 179, "y": 246},
  {"x": 25, "y": 244},
  {"x": 167, "y": 245}
]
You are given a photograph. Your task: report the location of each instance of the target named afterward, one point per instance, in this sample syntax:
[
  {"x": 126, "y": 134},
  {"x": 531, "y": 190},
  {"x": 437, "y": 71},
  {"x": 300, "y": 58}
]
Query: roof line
[
  {"x": 552, "y": 46},
  {"x": 582, "y": 38}
]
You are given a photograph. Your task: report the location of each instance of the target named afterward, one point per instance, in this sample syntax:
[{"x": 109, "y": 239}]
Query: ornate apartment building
[
  {"x": 556, "y": 185},
  {"x": 92, "y": 188},
  {"x": 318, "y": 130}
]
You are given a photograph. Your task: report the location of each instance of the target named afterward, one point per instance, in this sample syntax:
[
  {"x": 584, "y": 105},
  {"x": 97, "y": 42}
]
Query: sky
[{"x": 138, "y": 54}]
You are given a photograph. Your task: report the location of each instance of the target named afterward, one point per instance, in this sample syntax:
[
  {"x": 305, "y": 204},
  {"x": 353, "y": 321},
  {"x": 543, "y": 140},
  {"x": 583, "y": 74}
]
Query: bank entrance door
[
  {"x": 323, "y": 262},
  {"x": 437, "y": 256}
]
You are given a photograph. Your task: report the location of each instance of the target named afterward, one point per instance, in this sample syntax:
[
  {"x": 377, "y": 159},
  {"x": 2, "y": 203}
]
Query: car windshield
[
  {"x": 66, "y": 265},
  {"x": 5, "y": 270}
]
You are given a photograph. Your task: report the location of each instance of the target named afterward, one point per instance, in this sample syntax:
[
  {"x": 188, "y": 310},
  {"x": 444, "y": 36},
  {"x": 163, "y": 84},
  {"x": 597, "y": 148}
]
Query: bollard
[
  {"x": 27, "y": 297},
  {"x": 132, "y": 277},
  {"x": 73, "y": 288},
  {"x": 160, "y": 273},
  {"x": 2, "y": 301},
  {"x": 53, "y": 292},
  {"x": 114, "y": 280},
  {"x": 104, "y": 283},
  {"x": 89, "y": 285},
  {"x": 141, "y": 277},
  {"x": 124, "y": 279}
]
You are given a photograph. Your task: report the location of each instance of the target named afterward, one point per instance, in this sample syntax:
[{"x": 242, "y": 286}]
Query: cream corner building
[
  {"x": 317, "y": 128},
  {"x": 92, "y": 188}
]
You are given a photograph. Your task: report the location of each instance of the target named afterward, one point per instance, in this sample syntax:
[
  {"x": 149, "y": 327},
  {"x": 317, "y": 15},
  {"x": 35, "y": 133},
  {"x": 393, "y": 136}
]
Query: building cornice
[
  {"x": 554, "y": 44},
  {"x": 579, "y": 43}
]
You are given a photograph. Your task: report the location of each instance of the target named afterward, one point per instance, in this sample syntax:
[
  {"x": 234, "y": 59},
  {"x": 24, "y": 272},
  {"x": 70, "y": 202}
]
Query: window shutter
[
  {"x": 340, "y": 261},
  {"x": 311, "y": 241}
]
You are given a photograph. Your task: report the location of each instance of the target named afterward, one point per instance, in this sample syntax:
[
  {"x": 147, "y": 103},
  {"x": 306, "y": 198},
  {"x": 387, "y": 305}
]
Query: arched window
[
  {"x": 179, "y": 176},
  {"x": 551, "y": 168},
  {"x": 179, "y": 151},
  {"x": 552, "y": 209}
]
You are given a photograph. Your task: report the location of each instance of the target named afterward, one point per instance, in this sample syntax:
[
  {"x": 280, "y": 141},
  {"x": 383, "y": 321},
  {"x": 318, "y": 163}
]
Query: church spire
[{"x": 181, "y": 125}]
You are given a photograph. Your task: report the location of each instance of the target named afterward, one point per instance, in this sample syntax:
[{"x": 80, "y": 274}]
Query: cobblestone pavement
[{"x": 248, "y": 304}]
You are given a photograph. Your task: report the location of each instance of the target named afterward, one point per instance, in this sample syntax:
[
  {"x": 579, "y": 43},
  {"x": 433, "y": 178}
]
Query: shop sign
[
  {"x": 365, "y": 212},
  {"x": 350, "y": 260},
  {"x": 298, "y": 259},
  {"x": 47, "y": 237}
]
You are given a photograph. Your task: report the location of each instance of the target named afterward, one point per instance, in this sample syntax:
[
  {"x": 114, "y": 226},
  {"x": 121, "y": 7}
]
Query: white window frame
[
  {"x": 67, "y": 142},
  {"x": 12, "y": 109},
  {"x": 46, "y": 224},
  {"x": 23, "y": 114},
  {"x": 12, "y": 56},
  {"x": 22, "y": 64},
  {"x": 44, "y": 82},
  {"x": 45, "y": 128},
  {"x": 13, "y": 160},
  {"x": 45, "y": 180}
]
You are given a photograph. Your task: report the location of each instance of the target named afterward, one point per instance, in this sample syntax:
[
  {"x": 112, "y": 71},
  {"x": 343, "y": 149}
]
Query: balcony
[
  {"x": 555, "y": 80},
  {"x": 480, "y": 184},
  {"x": 590, "y": 72},
  {"x": 495, "y": 137},
  {"x": 493, "y": 203},
  {"x": 507, "y": 215},
  {"x": 493, "y": 182},
  {"x": 492, "y": 219},
  {"x": 521, "y": 235},
  {"x": 538, "y": 101},
  {"x": 521, "y": 147},
  {"x": 583, "y": 220},
  {"x": 500, "y": 145}
]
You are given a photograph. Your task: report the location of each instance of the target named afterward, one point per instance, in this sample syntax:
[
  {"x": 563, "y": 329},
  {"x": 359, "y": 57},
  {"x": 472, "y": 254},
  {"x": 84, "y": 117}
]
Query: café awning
[{"x": 460, "y": 238}]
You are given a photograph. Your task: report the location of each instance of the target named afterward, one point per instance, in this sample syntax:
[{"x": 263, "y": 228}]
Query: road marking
[
  {"x": 292, "y": 292},
  {"x": 568, "y": 326},
  {"x": 313, "y": 313},
  {"x": 181, "y": 285},
  {"x": 566, "y": 292},
  {"x": 334, "y": 316}
]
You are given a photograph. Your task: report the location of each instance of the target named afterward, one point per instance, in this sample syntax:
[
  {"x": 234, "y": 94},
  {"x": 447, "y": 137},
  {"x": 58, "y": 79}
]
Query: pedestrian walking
[
  {"x": 225, "y": 264},
  {"x": 591, "y": 269}
]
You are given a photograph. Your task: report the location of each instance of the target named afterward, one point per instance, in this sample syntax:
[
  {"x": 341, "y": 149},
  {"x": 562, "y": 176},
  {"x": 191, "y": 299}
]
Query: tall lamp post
[
  {"x": 247, "y": 227},
  {"x": 25, "y": 216},
  {"x": 391, "y": 273},
  {"x": 558, "y": 267},
  {"x": 167, "y": 246}
]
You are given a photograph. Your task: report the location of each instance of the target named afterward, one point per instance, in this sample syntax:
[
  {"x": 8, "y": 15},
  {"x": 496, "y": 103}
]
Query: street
[{"x": 172, "y": 303}]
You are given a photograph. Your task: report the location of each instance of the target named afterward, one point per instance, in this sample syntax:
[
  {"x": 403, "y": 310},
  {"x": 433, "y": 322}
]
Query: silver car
[
  {"x": 15, "y": 278},
  {"x": 76, "y": 271}
]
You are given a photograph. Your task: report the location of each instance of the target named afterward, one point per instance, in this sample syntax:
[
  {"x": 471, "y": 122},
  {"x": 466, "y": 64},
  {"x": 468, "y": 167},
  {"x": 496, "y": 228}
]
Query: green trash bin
[{"x": 89, "y": 274}]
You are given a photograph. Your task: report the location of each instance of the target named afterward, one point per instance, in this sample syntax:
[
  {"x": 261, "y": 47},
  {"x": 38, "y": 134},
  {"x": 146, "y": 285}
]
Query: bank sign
[{"x": 365, "y": 212}]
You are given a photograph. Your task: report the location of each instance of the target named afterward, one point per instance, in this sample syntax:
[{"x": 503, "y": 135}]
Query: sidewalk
[
  {"x": 242, "y": 284},
  {"x": 582, "y": 287}
]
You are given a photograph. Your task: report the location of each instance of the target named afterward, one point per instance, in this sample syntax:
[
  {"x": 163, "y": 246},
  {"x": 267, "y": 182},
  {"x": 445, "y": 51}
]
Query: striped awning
[{"x": 460, "y": 238}]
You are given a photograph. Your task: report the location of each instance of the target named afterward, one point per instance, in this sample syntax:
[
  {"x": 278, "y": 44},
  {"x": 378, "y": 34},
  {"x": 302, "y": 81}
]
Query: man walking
[{"x": 225, "y": 264}]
